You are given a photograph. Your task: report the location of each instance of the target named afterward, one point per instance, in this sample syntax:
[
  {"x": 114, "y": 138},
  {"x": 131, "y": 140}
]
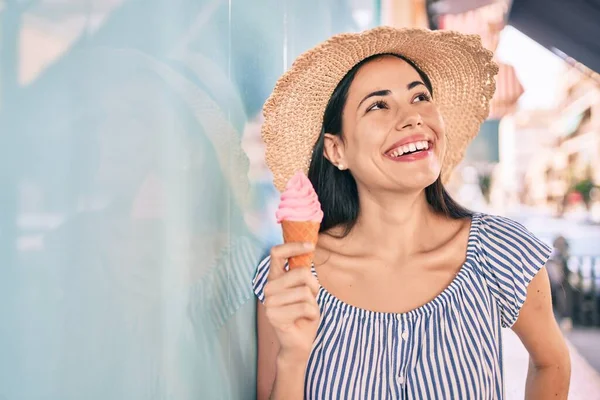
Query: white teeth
[{"x": 409, "y": 148}]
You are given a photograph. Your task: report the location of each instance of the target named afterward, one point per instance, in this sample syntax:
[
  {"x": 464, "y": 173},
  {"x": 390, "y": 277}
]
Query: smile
[{"x": 410, "y": 149}]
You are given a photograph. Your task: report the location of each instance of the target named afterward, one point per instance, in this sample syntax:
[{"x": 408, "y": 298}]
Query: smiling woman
[
  {"x": 336, "y": 186},
  {"x": 408, "y": 292}
]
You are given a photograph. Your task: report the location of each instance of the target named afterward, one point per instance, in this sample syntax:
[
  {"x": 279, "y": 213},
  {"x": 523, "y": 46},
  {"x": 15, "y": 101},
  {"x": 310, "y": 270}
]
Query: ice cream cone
[
  {"x": 304, "y": 232},
  {"x": 300, "y": 216}
]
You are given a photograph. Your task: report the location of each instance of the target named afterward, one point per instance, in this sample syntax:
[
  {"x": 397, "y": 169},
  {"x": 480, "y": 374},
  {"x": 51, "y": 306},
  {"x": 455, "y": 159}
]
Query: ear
[{"x": 333, "y": 150}]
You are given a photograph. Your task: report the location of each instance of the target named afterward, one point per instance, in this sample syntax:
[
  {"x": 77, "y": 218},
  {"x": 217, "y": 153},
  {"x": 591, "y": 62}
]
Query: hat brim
[{"x": 460, "y": 69}]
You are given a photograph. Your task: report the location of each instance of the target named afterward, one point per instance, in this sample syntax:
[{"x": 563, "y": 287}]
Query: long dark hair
[{"x": 337, "y": 189}]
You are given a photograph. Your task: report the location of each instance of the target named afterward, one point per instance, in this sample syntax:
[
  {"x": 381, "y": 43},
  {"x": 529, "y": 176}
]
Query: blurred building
[
  {"x": 555, "y": 149},
  {"x": 526, "y": 148},
  {"x": 578, "y": 124}
]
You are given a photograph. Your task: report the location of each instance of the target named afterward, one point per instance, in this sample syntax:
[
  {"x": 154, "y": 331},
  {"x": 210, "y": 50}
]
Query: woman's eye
[
  {"x": 379, "y": 105},
  {"x": 421, "y": 97}
]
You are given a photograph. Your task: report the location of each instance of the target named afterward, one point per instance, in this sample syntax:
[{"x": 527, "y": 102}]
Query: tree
[{"x": 585, "y": 187}]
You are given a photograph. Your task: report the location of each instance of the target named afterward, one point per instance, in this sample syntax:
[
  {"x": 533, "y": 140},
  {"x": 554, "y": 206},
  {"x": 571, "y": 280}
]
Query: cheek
[
  {"x": 435, "y": 122},
  {"x": 433, "y": 118},
  {"x": 370, "y": 132},
  {"x": 364, "y": 143}
]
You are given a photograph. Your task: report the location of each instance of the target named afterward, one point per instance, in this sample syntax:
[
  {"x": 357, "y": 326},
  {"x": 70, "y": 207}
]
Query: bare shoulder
[{"x": 445, "y": 231}]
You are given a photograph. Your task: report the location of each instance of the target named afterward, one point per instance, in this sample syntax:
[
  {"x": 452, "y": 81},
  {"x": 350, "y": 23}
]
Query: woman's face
[{"x": 393, "y": 133}]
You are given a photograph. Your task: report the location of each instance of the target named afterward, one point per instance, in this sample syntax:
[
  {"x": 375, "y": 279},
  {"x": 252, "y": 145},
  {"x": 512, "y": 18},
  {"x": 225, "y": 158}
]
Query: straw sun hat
[{"x": 461, "y": 71}]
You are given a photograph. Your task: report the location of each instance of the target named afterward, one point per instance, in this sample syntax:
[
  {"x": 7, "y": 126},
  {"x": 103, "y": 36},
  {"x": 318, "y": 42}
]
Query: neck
[{"x": 396, "y": 223}]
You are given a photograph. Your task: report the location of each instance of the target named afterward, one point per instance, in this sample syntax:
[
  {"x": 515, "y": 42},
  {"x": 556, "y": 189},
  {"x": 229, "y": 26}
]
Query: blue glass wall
[{"x": 134, "y": 201}]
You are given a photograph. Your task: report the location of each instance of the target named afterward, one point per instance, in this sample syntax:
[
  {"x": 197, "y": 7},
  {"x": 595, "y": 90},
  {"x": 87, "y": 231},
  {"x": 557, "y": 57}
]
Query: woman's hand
[{"x": 290, "y": 302}]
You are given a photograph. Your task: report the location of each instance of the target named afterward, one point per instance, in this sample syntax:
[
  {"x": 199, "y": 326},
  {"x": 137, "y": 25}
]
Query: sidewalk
[
  {"x": 587, "y": 342},
  {"x": 585, "y": 381}
]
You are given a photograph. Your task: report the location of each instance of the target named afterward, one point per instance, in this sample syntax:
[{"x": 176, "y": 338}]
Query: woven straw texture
[
  {"x": 461, "y": 71},
  {"x": 300, "y": 231}
]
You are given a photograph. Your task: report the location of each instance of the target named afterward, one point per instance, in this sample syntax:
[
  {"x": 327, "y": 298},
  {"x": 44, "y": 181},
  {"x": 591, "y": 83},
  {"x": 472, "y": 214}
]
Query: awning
[
  {"x": 487, "y": 22},
  {"x": 572, "y": 27},
  {"x": 441, "y": 7},
  {"x": 508, "y": 91}
]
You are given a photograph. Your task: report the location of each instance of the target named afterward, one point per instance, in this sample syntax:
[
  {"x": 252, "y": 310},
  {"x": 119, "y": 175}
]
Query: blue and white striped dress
[{"x": 449, "y": 348}]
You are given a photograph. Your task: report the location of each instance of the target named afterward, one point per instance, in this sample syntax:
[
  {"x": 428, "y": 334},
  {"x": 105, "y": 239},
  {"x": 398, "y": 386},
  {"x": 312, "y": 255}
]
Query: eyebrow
[
  {"x": 414, "y": 84},
  {"x": 373, "y": 94},
  {"x": 386, "y": 92}
]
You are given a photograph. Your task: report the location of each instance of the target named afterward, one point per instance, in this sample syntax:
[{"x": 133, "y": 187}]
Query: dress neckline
[{"x": 426, "y": 308}]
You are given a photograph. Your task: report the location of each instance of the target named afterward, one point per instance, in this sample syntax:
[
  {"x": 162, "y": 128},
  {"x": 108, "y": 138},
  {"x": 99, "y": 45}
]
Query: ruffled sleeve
[
  {"x": 510, "y": 258},
  {"x": 260, "y": 278}
]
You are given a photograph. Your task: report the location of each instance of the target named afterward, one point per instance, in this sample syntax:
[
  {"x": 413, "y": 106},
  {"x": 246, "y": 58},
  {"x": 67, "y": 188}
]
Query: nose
[{"x": 409, "y": 119}]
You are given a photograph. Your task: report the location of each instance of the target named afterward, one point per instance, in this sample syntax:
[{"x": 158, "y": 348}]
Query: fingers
[
  {"x": 290, "y": 299},
  {"x": 280, "y": 254},
  {"x": 295, "y": 278},
  {"x": 280, "y": 317},
  {"x": 291, "y": 296}
]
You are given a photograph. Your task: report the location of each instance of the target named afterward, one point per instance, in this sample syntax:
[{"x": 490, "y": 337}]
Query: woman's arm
[
  {"x": 549, "y": 361},
  {"x": 287, "y": 320},
  {"x": 268, "y": 348},
  {"x": 280, "y": 375}
]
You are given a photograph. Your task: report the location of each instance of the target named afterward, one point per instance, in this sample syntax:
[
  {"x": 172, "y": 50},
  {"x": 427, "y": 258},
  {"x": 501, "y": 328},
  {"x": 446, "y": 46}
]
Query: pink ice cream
[{"x": 299, "y": 201}]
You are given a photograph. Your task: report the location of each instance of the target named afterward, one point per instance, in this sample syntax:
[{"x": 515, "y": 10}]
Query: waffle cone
[{"x": 300, "y": 231}]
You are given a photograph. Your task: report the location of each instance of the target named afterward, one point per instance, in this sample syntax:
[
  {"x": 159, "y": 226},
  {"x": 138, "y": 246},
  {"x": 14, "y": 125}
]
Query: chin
[{"x": 420, "y": 181}]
